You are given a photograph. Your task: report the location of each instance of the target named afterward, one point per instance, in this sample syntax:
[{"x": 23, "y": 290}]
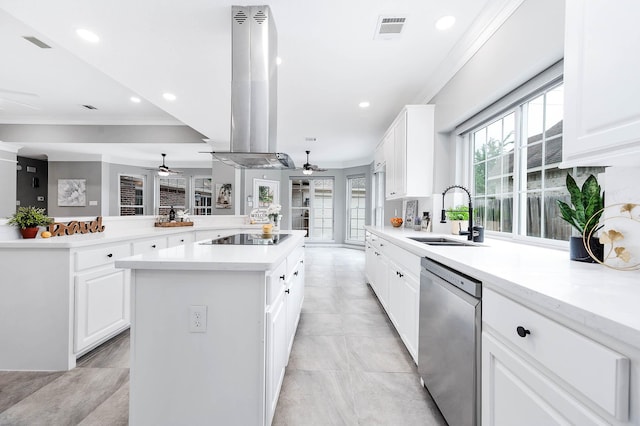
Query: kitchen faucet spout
[{"x": 443, "y": 218}]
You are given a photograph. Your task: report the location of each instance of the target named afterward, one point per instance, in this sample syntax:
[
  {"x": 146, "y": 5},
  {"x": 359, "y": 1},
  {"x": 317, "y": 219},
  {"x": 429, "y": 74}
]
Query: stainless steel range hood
[{"x": 254, "y": 91}]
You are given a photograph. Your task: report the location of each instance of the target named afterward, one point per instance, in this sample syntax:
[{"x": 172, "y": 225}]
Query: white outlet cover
[
  {"x": 93, "y": 203},
  {"x": 198, "y": 319}
]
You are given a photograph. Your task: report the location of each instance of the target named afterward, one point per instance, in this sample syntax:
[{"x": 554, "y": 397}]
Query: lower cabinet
[
  {"x": 536, "y": 371},
  {"x": 101, "y": 305},
  {"x": 404, "y": 305},
  {"x": 294, "y": 295},
  {"x": 277, "y": 343}
]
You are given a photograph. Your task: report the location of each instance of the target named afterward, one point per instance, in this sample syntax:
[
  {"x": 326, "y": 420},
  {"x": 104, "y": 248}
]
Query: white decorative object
[{"x": 72, "y": 192}]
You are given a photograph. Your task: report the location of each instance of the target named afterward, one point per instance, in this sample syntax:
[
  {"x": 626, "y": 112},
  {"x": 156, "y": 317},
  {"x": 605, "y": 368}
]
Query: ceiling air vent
[
  {"x": 89, "y": 107},
  {"x": 389, "y": 27},
  {"x": 41, "y": 44}
]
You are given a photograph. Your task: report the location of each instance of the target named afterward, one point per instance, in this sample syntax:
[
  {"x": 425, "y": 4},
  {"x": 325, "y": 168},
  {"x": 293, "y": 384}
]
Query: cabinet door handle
[
  {"x": 110, "y": 255},
  {"x": 282, "y": 277},
  {"x": 287, "y": 291},
  {"x": 296, "y": 273},
  {"x": 522, "y": 332},
  {"x": 182, "y": 240},
  {"x": 302, "y": 261},
  {"x": 153, "y": 246},
  {"x": 381, "y": 245}
]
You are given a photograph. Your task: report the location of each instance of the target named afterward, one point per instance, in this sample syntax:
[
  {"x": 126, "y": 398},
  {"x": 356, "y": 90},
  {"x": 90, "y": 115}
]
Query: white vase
[{"x": 459, "y": 225}]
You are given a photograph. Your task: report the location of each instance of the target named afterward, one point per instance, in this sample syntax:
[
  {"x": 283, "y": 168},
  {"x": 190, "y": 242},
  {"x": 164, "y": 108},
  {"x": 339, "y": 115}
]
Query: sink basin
[{"x": 439, "y": 241}]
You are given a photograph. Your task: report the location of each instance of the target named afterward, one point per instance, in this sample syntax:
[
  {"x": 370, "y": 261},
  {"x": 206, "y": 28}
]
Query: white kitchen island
[{"x": 211, "y": 331}]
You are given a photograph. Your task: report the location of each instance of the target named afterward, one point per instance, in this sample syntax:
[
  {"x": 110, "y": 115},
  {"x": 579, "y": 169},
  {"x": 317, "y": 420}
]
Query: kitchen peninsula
[{"x": 212, "y": 327}]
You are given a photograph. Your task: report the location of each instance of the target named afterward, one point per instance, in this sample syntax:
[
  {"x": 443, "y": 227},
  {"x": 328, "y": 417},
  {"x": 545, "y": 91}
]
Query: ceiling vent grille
[
  {"x": 89, "y": 107},
  {"x": 390, "y": 27},
  {"x": 41, "y": 44},
  {"x": 240, "y": 17}
]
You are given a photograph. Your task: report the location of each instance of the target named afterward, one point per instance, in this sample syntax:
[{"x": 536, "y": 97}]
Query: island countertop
[
  {"x": 224, "y": 257},
  {"x": 593, "y": 295}
]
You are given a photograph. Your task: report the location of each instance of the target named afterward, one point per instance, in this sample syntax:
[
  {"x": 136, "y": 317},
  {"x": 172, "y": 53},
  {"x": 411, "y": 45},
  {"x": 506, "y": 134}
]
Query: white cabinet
[
  {"x": 294, "y": 294},
  {"x": 148, "y": 245},
  {"x": 101, "y": 306},
  {"x": 378, "y": 157},
  {"x": 276, "y": 320},
  {"x": 404, "y": 306},
  {"x": 537, "y": 371},
  {"x": 180, "y": 239},
  {"x": 408, "y": 147},
  {"x": 601, "y": 109}
]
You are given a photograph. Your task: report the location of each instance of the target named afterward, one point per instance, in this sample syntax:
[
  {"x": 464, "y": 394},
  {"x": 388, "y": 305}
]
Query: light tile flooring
[{"x": 347, "y": 367}]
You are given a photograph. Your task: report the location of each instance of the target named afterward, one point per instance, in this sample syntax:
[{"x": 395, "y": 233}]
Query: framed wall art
[
  {"x": 223, "y": 196},
  {"x": 265, "y": 192},
  {"x": 410, "y": 213},
  {"x": 72, "y": 192}
]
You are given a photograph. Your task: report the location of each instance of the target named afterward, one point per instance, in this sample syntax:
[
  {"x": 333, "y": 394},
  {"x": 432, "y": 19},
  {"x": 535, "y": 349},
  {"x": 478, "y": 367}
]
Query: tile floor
[{"x": 347, "y": 367}]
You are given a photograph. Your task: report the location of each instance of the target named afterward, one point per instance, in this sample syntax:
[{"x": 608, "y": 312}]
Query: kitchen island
[{"x": 211, "y": 330}]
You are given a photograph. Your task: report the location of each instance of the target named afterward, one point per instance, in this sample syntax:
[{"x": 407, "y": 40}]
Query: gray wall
[
  {"x": 530, "y": 41},
  {"x": 340, "y": 196},
  {"x": 221, "y": 173},
  {"x": 8, "y": 186},
  {"x": 91, "y": 171},
  {"x": 26, "y": 192}
]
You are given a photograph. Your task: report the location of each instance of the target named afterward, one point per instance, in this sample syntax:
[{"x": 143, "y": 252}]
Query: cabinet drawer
[
  {"x": 180, "y": 239},
  {"x": 294, "y": 259},
  {"x": 596, "y": 371},
  {"x": 86, "y": 259},
  {"x": 409, "y": 262},
  {"x": 276, "y": 282},
  {"x": 146, "y": 246}
]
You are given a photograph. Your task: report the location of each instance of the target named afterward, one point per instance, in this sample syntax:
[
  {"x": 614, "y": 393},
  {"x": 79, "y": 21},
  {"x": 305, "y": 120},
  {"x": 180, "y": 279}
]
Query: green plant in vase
[{"x": 587, "y": 204}]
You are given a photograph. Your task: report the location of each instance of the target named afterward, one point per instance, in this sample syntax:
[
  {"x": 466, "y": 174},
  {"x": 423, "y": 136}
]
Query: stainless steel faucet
[{"x": 443, "y": 218}]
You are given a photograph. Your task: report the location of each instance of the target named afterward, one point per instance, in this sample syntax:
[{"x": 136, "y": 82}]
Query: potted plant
[
  {"x": 587, "y": 204},
  {"x": 28, "y": 219},
  {"x": 459, "y": 218}
]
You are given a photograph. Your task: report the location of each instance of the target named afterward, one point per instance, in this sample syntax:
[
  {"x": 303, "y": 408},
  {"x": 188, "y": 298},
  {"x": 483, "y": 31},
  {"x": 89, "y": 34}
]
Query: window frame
[
  {"x": 192, "y": 199},
  {"x": 187, "y": 190},
  {"x": 143, "y": 178},
  {"x": 348, "y": 209}
]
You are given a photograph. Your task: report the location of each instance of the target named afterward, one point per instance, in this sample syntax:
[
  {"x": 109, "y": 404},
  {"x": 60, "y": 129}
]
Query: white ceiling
[{"x": 331, "y": 62}]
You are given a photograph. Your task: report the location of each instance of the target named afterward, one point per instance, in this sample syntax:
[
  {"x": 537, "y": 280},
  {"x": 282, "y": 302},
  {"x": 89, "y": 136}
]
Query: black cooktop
[{"x": 249, "y": 239}]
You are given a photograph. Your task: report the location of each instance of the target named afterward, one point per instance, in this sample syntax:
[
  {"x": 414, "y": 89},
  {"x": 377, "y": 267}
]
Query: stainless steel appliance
[
  {"x": 449, "y": 341},
  {"x": 249, "y": 239}
]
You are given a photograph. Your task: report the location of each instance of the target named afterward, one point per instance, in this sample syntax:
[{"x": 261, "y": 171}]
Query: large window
[
  {"x": 516, "y": 179},
  {"x": 202, "y": 196},
  {"x": 312, "y": 207},
  {"x": 131, "y": 195},
  {"x": 172, "y": 193},
  {"x": 356, "y": 209}
]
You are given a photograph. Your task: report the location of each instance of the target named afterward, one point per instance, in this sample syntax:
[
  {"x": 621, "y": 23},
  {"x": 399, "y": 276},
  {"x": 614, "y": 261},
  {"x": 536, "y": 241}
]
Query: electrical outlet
[{"x": 197, "y": 319}]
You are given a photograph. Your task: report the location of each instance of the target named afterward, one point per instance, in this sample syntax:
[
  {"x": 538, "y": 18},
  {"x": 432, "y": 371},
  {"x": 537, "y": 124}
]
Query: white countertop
[
  {"x": 82, "y": 240},
  {"x": 601, "y": 298},
  {"x": 225, "y": 257}
]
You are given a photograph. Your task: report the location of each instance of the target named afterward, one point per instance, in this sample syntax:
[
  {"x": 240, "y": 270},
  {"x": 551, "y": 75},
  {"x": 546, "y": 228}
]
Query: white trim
[{"x": 9, "y": 147}]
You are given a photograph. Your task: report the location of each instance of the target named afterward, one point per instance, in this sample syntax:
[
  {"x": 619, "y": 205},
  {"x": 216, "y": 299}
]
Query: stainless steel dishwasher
[{"x": 449, "y": 341}]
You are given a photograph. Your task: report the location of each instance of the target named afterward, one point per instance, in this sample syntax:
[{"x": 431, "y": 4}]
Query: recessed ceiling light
[
  {"x": 135, "y": 99},
  {"x": 364, "y": 104},
  {"x": 169, "y": 96},
  {"x": 445, "y": 22},
  {"x": 278, "y": 60},
  {"x": 87, "y": 35}
]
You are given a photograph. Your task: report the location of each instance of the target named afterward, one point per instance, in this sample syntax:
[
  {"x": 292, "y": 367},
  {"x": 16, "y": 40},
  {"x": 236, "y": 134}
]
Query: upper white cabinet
[
  {"x": 601, "y": 69},
  {"x": 408, "y": 147},
  {"x": 378, "y": 157}
]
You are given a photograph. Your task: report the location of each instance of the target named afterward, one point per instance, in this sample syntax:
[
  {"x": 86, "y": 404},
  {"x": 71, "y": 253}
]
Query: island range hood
[{"x": 254, "y": 92}]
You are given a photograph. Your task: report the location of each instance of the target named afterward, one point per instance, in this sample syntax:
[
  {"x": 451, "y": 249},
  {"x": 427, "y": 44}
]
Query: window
[
  {"x": 516, "y": 179},
  {"x": 312, "y": 207},
  {"x": 131, "y": 195},
  {"x": 172, "y": 193},
  {"x": 356, "y": 208},
  {"x": 202, "y": 196}
]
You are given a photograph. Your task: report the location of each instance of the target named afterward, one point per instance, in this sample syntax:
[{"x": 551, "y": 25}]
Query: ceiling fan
[
  {"x": 308, "y": 168},
  {"x": 164, "y": 170}
]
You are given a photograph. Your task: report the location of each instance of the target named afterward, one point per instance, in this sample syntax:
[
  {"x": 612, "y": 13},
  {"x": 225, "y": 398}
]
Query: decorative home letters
[{"x": 76, "y": 227}]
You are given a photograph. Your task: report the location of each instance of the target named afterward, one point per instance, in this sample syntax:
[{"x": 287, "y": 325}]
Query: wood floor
[{"x": 347, "y": 367}]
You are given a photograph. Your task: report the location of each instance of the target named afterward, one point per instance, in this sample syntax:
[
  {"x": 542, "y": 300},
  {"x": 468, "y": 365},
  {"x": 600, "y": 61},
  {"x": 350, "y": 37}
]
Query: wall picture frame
[
  {"x": 224, "y": 196},
  {"x": 72, "y": 192},
  {"x": 410, "y": 213},
  {"x": 265, "y": 192}
]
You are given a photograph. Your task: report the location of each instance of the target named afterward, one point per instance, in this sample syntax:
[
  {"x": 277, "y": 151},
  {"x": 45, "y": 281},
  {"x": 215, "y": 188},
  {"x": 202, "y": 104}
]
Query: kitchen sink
[{"x": 439, "y": 241}]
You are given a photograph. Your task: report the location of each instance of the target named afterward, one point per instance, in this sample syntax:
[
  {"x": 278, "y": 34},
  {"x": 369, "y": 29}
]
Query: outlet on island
[{"x": 197, "y": 318}]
